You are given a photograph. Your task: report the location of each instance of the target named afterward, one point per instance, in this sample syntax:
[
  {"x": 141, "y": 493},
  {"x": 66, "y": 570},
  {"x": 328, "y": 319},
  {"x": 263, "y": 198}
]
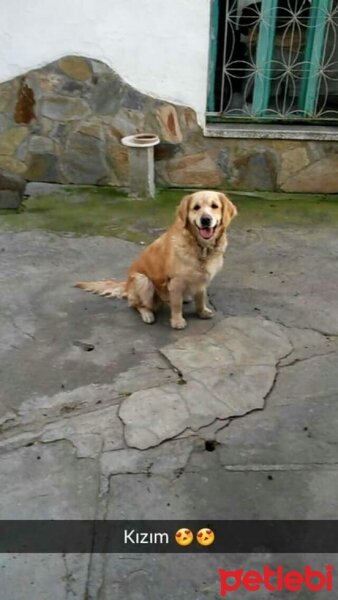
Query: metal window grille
[{"x": 273, "y": 60}]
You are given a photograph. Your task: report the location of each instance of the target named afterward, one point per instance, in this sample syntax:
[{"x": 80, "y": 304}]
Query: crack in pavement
[
  {"x": 20, "y": 330},
  {"x": 313, "y": 329},
  {"x": 276, "y": 320},
  {"x": 172, "y": 367},
  {"x": 34, "y": 435},
  {"x": 297, "y": 360},
  {"x": 69, "y": 579}
]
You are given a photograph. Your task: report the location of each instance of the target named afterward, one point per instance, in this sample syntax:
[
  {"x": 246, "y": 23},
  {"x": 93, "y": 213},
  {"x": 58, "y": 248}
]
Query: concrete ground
[{"x": 103, "y": 416}]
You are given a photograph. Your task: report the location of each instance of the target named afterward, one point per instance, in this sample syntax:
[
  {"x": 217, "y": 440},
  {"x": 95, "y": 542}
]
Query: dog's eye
[
  {"x": 196, "y": 207},
  {"x": 214, "y": 206}
]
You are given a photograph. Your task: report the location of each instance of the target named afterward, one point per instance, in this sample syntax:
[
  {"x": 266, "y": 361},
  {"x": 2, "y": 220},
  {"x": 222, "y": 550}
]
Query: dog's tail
[{"x": 106, "y": 287}]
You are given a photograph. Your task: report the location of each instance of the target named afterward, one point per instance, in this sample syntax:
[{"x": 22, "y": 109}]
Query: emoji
[
  {"x": 205, "y": 537},
  {"x": 184, "y": 537}
]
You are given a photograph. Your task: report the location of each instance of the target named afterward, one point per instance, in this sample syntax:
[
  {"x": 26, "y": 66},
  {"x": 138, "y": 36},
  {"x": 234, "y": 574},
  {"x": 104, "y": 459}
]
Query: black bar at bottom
[{"x": 159, "y": 536}]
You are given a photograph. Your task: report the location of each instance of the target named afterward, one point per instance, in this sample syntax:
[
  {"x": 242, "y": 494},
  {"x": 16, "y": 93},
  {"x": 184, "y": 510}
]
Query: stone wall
[{"x": 63, "y": 123}]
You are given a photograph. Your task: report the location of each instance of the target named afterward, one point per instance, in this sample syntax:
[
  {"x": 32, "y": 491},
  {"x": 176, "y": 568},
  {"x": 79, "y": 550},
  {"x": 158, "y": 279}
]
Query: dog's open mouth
[{"x": 206, "y": 232}]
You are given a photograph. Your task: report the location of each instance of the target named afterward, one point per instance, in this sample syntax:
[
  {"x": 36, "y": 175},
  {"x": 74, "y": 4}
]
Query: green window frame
[{"x": 311, "y": 68}]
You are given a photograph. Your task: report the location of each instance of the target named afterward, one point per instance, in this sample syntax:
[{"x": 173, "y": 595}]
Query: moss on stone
[{"x": 109, "y": 212}]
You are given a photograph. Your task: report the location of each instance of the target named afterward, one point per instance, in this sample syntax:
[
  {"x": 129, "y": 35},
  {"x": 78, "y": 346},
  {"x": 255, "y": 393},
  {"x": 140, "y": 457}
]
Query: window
[{"x": 273, "y": 61}]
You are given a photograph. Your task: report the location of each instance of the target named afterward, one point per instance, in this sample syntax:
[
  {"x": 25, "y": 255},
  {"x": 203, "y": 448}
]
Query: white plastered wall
[{"x": 158, "y": 46}]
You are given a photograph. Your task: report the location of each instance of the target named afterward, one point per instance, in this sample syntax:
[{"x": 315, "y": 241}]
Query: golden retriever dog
[{"x": 180, "y": 263}]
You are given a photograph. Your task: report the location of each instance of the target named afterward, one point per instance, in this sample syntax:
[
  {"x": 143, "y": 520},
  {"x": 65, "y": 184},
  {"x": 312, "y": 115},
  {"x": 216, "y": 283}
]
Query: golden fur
[{"x": 179, "y": 263}]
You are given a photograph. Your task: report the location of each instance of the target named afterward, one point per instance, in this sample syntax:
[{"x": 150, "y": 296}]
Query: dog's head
[{"x": 206, "y": 214}]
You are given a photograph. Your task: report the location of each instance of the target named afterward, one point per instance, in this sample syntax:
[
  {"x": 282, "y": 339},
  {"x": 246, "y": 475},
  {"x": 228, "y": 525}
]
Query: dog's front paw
[
  {"x": 147, "y": 315},
  {"x": 206, "y": 313},
  {"x": 178, "y": 323}
]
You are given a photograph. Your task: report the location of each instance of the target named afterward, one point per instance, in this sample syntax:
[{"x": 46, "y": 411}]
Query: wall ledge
[{"x": 276, "y": 132}]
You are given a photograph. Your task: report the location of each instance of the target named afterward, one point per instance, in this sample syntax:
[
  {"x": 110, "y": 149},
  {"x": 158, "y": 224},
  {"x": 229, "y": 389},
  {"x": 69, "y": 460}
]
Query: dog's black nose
[{"x": 205, "y": 221}]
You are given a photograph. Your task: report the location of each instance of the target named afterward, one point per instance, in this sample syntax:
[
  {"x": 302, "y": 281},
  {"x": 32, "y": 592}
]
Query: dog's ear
[
  {"x": 229, "y": 210},
  {"x": 183, "y": 209}
]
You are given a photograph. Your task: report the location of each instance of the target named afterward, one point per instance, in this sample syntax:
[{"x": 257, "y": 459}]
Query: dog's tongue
[{"x": 206, "y": 232}]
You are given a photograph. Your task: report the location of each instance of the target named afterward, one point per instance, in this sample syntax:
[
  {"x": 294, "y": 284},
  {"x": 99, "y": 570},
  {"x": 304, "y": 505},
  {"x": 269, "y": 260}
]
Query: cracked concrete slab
[
  {"x": 43, "y": 576},
  {"x": 232, "y": 418},
  {"x": 299, "y": 426},
  {"x": 197, "y": 576},
  {"x": 50, "y": 483},
  {"x": 208, "y": 486},
  {"x": 236, "y": 341},
  {"x": 46, "y": 481},
  {"x": 226, "y": 374},
  {"x": 163, "y": 460},
  {"x": 315, "y": 377},
  {"x": 288, "y": 275}
]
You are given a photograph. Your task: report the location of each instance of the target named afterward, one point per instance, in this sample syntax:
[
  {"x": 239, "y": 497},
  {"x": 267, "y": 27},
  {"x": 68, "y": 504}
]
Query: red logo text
[{"x": 276, "y": 580}]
